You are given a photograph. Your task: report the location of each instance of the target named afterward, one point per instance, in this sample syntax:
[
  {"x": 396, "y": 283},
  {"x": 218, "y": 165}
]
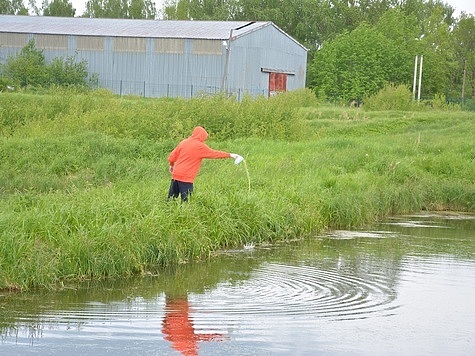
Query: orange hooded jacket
[{"x": 186, "y": 158}]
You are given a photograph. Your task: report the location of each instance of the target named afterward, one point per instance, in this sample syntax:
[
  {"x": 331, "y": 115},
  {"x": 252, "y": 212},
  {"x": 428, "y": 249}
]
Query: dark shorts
[{"x": 180, "y": 188}]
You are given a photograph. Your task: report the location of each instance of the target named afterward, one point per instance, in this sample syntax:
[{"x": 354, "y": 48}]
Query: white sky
[{"x": 459, "y": 5}]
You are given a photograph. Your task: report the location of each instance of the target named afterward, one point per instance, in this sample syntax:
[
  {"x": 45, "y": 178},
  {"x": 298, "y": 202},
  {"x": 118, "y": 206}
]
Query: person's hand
[
  {"x": 171, "y": 169},
  {"x": 237, "y": 158}
]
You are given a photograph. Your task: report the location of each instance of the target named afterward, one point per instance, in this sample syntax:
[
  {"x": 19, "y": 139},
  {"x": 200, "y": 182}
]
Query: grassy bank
[{"x": 84, "y": 178}]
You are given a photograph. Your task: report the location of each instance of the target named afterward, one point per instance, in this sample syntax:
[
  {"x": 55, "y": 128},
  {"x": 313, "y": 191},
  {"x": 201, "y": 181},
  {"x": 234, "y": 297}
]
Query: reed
[{"x": 83, "y": 186}]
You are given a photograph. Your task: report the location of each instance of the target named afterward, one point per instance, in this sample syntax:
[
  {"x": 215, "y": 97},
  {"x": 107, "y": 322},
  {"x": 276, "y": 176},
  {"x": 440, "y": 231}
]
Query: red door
[{"x": 277, "y": 83}]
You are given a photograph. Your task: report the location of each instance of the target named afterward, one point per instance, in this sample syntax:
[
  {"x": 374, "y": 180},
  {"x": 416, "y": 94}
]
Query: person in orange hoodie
[{"x": 185, "y": 162}]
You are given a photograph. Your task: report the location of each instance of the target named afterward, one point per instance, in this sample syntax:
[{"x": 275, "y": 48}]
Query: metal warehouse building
[{"x": 157, "y": 58}]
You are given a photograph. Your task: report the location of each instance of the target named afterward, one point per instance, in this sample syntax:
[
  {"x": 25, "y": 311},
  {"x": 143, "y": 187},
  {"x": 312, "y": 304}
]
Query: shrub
[
  {"x": 440, "y": 103},
  {"x": 29, "y": 68},
  {"x": 65, "y": 71},
  {"x": 469, "y": 104},
  {"x": 7, "y": 84},
  {"x": 391, "y": 97}
]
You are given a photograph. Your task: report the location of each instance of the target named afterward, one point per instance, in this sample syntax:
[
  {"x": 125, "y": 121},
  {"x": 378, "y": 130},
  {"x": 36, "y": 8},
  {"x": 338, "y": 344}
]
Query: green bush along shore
[{"x": 84, "y": 177}]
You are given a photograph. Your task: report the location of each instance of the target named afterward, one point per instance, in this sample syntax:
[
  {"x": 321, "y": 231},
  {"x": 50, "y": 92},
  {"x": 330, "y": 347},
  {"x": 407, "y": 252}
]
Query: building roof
[
  {"x": 82, "y": 26},
  {"x": 127, "y": 28}
]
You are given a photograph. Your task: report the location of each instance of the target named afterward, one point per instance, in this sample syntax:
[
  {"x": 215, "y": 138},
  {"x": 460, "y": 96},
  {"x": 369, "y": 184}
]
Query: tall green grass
[{"x": 83, "y": 182}]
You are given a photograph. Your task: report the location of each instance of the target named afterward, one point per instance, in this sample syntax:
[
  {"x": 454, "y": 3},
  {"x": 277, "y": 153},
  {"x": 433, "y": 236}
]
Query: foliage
[
  {"x": 12, "y": 7},
  {"x": 391, "y": 97},
  {"x": 399, "y": 97},
  {"x": 6, "y": 84},
  {"x": 402, "y": 32},
  {"x": 468, "y": 105},
  {"x": 438, "y": 52},
  {"x": 29, "y": 68},
  {"x": 439, "y": 102},
  {"x": 160, "y": 119},
  {"x": 121, "y": 9},
  {"x": 357, "y": 64},
  {"x": 464, "y": 40},
  {"x": 67, "y": 71},
  {"x": 354, "y": 65},
  {"x": 60, "y": 8}
]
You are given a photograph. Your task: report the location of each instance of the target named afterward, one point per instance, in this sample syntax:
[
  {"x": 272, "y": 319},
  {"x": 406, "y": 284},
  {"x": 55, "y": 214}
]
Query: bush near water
[{"x": 84, "y": 177}]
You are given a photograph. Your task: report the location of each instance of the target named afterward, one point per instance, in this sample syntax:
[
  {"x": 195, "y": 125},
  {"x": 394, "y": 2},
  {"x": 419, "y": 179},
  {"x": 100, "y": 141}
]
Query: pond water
[{"x": 405, "y": 286}]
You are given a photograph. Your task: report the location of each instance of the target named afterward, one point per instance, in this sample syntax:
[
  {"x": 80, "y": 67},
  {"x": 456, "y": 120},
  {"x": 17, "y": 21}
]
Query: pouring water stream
[{"x": 238, "y": 160}]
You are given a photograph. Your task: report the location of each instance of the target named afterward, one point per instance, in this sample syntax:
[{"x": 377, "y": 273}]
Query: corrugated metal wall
[
  {"x": 176, "y": 67},
  {"x": 152, "y": 67}
]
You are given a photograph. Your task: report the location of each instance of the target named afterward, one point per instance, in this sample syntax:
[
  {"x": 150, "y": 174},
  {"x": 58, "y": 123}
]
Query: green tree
[
  {"x": 217, "y": 10},
  {"x": 121, "y": 9},
  {"x": 60, "y": 8},
  {"x": 355, "y": 65},
  {"x": 107, "y": 9},
  {"x": 176, "y": 10},
  {"x": 12, "y": 7},
  {"x": 439, "y": 54},
  {"x": 463, "y": 77},
  {"x": 403, "y": 32},
  {"x": 211, "y": 9},
  {"x": 140, "y": 9},
  {"x": 423, "y": 9}
]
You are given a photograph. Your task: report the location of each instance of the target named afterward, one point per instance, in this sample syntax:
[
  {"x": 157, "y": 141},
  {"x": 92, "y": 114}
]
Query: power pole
[
  {"x": 415, "y": 79},
  {"x": 463, "y": 81},
  {"x": 420, "y": 80}
]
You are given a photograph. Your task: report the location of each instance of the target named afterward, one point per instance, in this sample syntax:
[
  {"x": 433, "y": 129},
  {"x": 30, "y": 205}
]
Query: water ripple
[{"x": 303, "y": 290}]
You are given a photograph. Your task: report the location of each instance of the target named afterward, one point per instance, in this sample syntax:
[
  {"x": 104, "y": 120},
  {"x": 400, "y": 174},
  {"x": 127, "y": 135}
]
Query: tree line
[{"x": 356, "y": 47}]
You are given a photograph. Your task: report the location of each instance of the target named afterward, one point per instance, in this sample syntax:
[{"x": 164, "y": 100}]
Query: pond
[{"x": 402, "y": 286}]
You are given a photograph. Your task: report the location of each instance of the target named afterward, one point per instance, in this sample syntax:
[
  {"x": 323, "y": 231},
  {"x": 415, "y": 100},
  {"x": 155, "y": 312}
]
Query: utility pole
[
  {"x": 463, "y": 81},
  {"x": 415, "y": 79},
  {"x": 420, "y": 80}
]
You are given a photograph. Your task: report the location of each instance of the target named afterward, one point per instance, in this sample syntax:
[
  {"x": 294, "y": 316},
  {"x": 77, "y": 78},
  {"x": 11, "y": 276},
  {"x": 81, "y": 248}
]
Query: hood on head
[{"x": 199, "y": 133}]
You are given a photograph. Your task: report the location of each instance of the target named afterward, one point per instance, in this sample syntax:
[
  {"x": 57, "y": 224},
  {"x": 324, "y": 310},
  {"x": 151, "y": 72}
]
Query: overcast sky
[
  {"x": 462, "y": 5},
  {"x": 459, "y": 5}
]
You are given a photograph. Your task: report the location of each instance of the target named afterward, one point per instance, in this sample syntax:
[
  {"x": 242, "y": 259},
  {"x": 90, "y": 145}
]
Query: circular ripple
[{"x": 304, "y": 290}]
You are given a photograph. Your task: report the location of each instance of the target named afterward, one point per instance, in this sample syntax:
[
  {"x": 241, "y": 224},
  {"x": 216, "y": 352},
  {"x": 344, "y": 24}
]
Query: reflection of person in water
[{"x": 178, "y": 327}]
